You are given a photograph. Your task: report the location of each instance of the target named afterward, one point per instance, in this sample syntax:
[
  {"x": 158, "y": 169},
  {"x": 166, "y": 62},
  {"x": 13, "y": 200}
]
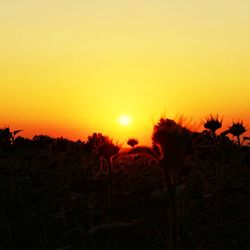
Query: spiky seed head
[
  {"x": 132, "y": 142},
  {"x": 237, "y": 129},
  {"x": 212, "y": 122}
]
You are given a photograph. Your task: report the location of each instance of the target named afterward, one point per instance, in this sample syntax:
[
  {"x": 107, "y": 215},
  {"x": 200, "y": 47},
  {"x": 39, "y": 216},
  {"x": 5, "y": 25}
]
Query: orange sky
[{"x": 72, "y": 67}]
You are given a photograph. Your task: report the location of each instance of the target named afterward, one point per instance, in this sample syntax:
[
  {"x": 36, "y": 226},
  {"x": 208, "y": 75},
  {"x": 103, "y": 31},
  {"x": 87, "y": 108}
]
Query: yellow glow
[{"x": 125, "y": 120}]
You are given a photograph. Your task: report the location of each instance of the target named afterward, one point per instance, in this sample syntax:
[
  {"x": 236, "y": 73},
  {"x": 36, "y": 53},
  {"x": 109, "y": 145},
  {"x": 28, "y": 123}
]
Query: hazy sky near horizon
[{"x": 72, "y": 67}]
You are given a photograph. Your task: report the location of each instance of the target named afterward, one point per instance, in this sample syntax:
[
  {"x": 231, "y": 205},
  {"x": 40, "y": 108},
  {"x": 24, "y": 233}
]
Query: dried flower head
[
  {"x": 132, "y": 142},
  {"x": 212, "y": 122},
  {"x": 237, "y": 129}
]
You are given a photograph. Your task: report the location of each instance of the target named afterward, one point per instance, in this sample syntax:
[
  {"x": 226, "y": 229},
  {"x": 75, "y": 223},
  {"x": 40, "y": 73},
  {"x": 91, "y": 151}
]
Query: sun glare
[{"x": 125, "y": 120}]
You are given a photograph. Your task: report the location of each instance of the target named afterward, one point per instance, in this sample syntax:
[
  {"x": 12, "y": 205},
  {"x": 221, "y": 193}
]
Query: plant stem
[
  {"x": 238, "y": 142},
  {"x": 111, "y": 186},
  {"x": 173, "y": 234}
]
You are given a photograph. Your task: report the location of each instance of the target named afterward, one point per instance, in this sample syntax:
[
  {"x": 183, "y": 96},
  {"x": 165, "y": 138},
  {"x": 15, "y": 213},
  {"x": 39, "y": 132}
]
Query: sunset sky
[{"x": 73, "y": 67}]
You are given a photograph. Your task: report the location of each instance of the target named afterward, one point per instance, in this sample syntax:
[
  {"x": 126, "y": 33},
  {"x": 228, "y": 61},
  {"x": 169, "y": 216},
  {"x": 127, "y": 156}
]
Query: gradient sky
[{"x": 72, "y": 67}]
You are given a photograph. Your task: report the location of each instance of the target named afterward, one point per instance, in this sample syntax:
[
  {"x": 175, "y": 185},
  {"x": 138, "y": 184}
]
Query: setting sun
[{"x": 125, "y": 120}]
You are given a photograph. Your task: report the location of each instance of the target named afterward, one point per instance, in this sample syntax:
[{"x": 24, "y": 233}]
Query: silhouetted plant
[
  {"x": 213, "y": 123},
  {"x": 13, "y": 138},
  {"x": 174, "y": 141},
  {"x": 104, "y": 147},
  {"x": 107, "y": 149},
  {"x": 237, "y": 129},
  {"x": 13, "y": 135},
  {"x": 132, "y": 142},
  {"x": 5, "y": 137}
]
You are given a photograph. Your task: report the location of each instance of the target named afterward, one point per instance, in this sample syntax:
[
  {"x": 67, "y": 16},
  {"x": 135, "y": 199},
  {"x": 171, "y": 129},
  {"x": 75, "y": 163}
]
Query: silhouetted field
[{"x": 190, "y": 190}]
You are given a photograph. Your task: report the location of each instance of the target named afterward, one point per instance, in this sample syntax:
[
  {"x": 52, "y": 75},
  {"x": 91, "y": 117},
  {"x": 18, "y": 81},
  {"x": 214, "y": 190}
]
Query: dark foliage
[{"x": 56, "y": 194}]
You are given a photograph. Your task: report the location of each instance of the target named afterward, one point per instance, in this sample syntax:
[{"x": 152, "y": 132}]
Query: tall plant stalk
[
  {"x": 213, "y": 123},
  {"x": 173, "y": 140},
  {"x": 111, "y": 183},
  {"x": 132, "y": 142}
]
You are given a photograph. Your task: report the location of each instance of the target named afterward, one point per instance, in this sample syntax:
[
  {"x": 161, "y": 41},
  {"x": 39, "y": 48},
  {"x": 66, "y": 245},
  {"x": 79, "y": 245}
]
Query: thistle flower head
[
  {"x": 212, "y": 122},
  {"x": 237, "y": 129},
  {"x": 132, "y": 142}
]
